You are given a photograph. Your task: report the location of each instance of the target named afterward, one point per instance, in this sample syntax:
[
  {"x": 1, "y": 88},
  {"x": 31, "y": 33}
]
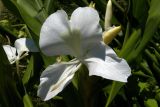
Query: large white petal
[
  {"x": 55, "y": 35},
  {"x": 10, "y": 52},
  {"x": 86, "y": 21},
  {"x": 25, "y": 45},
  {"x": 108, "y": 66},
  {"x": 55, "y": 78}
]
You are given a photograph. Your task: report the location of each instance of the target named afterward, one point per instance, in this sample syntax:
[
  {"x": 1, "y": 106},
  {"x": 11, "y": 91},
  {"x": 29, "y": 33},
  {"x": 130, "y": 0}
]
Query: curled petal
[
  {"x": 108, "y": 66},
  {"x": 113, "y": 70},
  {"x": 55, "y": 78},
  {"x": 25, "y": 45},
  {"x": 86, "y": 21},
  {"x": 11, "y": 53},
  {"x": 55, "y": 35}
]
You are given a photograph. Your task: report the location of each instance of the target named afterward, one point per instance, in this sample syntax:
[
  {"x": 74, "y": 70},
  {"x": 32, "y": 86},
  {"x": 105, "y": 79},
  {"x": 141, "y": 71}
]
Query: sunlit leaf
[
  {"x": 29, "y": 71},
  {"x": 151, "y": 103},
  {"x": 27, "y": 101}
]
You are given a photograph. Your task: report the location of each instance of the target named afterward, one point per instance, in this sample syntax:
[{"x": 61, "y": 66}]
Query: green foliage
[
  {"x": 151, "y": 103},
  {"x": 29, "y": 71},
  {"x": 27, "y": 101},
  {"x": 112, "y": 91}
]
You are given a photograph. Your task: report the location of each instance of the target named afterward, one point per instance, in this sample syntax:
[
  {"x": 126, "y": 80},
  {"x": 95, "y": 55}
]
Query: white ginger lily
[
  {"x": 21, "y": 45},
  {"x": 81, "y": 37}
]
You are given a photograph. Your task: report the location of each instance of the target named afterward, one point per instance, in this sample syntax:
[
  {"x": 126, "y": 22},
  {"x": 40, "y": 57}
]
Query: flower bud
[
  {"x": 109, "y": 35},
  {"x": 92, "y": 5},
  {"x": 108, "y": 15}
]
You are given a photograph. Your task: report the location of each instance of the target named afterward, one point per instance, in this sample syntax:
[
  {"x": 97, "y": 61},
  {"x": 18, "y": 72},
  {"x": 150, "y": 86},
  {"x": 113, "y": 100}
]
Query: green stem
[
  {"x": 118, "y": 6},
  {"x": 113, "y": 93},
  {"x": 142, "y": 75},
  {"x": 126, "y": 34},
  {"x": 17, "y": 25},
  {"x": 157, "y": 55},
  {"x": 146, "y": 69},
  {"x": 17, "y": 68},
  {"x": 41, "y": 9},
  {"x": 109, "y": 98},
  {"x": 156, "y": 46},
  {"x": 24, "y": 26},
  {"x": 151, "y": 56},
  {"x": 157, "y": 69}
]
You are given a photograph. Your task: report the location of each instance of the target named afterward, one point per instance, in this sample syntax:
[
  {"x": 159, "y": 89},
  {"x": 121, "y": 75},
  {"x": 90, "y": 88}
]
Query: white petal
[
  {"x": 10, "y": 52},
  {"x": 108, "y": 66},
  {"x": 25, "y": 45},
  {"x": 55, "y": 77},
  {"x": 86, "y": 20},
  {"x": 55, "y": 35}
]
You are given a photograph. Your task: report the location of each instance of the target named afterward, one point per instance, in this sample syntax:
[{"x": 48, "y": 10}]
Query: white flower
[
  {"x": 21, "y": 45},
  {"x": 81, "y": 37}
]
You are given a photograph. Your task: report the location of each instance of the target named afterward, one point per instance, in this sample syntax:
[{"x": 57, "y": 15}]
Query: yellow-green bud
[
  {"x": 109, "y": 35},
  {"x": 92, "y": 5}
]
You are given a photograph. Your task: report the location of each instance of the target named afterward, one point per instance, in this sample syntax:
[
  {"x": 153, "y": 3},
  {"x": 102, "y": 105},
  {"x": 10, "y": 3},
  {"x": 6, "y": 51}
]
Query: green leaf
[
  {"x": 130, "y": 44},
  {"x": 5, "y": 26},
  {"x": 50, "y": 6},
  {"x": 48, "y": 60},
  {"x": 137, "y": 10},
  {"x": 33, "y": 12},
  {"x": 157, "y": 97},
  {"x": 29, "y": 12},
  {"x": 29, "y": 71},
  {"x": 151, "y": 103},
  {"x": 151, "y": 27},
  {"x": 11, "y": 7},
  {"x": 101, "y": 5},
  {"x": 81, "y": 2},
  {"x": 27, "y": 101},
  {"x": 143, "y": 86},
  {"x": 116, "y": 86}
]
